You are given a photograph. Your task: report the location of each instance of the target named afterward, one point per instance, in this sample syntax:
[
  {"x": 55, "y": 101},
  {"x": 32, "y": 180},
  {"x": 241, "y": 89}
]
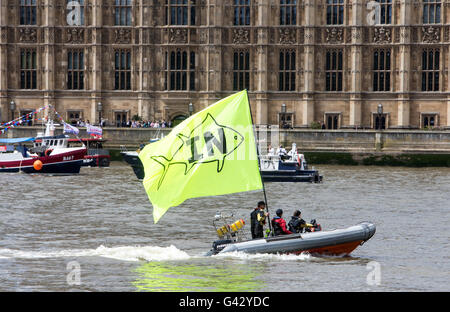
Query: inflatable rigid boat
[{"x": 338, "y": 242}]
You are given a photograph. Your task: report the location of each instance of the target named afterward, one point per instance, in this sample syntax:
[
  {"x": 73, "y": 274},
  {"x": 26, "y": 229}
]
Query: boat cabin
[{"x": 60, "y": 141}]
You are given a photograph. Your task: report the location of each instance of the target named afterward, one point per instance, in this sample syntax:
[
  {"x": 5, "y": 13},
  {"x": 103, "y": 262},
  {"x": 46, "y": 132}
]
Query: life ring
[{"x": 47, "y": 152}]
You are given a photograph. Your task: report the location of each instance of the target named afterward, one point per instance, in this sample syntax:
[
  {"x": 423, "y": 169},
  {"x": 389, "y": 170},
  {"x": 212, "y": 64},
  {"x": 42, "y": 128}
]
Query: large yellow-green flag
[{"x": 211, "y": 153}]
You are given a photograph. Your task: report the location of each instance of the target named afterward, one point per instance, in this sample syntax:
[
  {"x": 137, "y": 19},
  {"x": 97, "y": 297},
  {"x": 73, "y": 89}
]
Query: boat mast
[{"x": 259, "y": 162}]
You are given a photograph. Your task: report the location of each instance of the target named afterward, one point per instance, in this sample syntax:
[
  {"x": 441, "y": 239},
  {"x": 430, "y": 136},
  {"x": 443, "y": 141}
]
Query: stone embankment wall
[{"x": 349, "y": 147}]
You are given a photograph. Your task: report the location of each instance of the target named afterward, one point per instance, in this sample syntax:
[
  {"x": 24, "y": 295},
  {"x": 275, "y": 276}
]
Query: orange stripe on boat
[{"x": 335, "y": 250}]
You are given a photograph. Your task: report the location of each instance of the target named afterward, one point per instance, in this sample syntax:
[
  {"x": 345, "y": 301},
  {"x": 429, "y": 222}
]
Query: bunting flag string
[{"x": 29, "y": 116}]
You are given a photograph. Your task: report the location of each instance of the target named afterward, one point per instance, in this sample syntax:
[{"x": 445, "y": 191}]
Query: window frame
[
  {"x": 334, "y": 66},
  {"x": 385, "y": 12},
  {"x": 28, "y": 69},
  {"x": 123, "y": 9},
  {"x": 335, "y": 12},
  {"x": 180, "y": 68},
  {"x": 431, "y": 76},
  {"x": 180, "y": 13},
  {"x": 288, "y": 12},
  {"x": 79, "y": 72},
  {"x": 425, "y": 118},
  {"x": 336, "y": 120},
  {"x": 287, "y": 79},
  {"x": 379, "y": 72},
  {"x": 28, "y": 12},
  {"x": 122, "y": 69},
  {"x": 427, "y": 17},
  {"x": 241, "y": 12},
  {"x": 241, "y": 70}
]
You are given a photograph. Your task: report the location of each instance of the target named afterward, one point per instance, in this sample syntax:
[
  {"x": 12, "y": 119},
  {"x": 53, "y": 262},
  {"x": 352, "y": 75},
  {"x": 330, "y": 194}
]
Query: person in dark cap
[
  {"x": 279, "y": 224},
  {"x": 297, "y": 224},
  {"x": 258, "y": 220}
]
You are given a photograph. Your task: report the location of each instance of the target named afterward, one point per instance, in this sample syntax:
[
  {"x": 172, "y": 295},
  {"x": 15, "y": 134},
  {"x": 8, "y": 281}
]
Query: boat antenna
[{"x": 259, "y": 161}]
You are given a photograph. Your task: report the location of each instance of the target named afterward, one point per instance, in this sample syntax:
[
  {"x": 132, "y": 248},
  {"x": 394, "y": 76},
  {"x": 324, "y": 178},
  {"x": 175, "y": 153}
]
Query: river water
[{"x": 94, "y": 232}]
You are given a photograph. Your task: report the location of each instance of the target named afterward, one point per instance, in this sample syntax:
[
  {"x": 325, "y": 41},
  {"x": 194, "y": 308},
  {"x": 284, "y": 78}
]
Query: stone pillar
[
  {"x": 212, "y": 37},
  {"x": 403, "y": 108},
  {"x": 142, "y": 107},
  {"x": 261, "y": 56},
  {"x": 448, "y": 112},
  {"x": 309, "y": 67},
  {"x": 3, "y": 61},
  {"x": 448, "y": 87},
  {"x": 96, "y": 62},
  {"x": 49, "y": 41},
  {"x": 355, "y": 119},
  {"x": 48, "y": 76}
]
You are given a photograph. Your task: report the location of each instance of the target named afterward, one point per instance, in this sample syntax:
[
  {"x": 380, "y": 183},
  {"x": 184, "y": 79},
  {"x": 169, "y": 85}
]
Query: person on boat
[
  {"x": 258, "y": 220},
  {"x": 279, "y": 224},
  {"x": 271, "y": 151},
  {"x": 281, "y": 151},
  {"x": 293, "y": 153},
  {"x": 297, "y": 224}
]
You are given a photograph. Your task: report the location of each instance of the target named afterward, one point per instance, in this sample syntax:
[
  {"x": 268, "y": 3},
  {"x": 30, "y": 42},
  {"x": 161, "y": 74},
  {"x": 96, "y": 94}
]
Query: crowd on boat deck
[
  {"x": 282, "y": 152},
  {"x": 279, "y": 227}
]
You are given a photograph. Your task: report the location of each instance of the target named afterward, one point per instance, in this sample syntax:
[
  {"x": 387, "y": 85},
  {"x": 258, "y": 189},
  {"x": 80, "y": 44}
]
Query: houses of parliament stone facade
[{"x": 302, "y": 61}]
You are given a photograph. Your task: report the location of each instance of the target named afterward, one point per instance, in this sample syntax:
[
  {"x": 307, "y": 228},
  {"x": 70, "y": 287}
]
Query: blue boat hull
[{"x": 72, "y": 167}]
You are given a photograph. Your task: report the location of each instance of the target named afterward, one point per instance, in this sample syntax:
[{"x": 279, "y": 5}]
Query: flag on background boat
[
  {"x": 94, "y": 130},
  {"x": 211, "y": 153},
  {"x": 70, "y": 129}
]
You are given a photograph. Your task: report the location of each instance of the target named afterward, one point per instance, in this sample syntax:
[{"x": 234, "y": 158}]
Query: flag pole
[{"x": 259, "y": 160}]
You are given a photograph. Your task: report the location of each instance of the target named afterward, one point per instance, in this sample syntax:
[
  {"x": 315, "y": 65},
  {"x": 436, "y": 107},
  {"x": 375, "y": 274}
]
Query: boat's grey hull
[{"x": 336, "y": 242}]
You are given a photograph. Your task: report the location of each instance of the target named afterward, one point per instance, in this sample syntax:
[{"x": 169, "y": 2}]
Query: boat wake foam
[
  {"x": 124, "y": 253},
  {"x": 264, "y": 257},
  {"x": 144, "y": 253}
]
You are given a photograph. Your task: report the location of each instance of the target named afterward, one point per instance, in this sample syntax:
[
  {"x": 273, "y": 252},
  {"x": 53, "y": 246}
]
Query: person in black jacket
[
  {"x": 297, "y": 224},
  {"x": 258, "y": 220}
]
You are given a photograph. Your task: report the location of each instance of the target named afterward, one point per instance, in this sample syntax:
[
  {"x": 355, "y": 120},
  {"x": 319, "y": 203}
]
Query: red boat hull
[{"x": 69, "y": 162}]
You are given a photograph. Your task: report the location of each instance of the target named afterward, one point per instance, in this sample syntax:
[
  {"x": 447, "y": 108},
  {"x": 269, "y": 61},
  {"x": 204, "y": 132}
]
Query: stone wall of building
[
  {"x": 152, "y": 33},
  {"x": 348, "y": 140}
]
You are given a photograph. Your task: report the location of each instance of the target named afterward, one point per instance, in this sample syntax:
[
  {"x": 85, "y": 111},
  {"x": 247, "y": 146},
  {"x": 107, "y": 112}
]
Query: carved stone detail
[
  {"x": 241, "y": 36},
  {"x": 356, "y": 33},
  {"x": 27, "y": 35},
  {"x": 431, "y": 34},
  {"x": 203, "y": 36},
  {"x": 178, "y": 35},
  {"x": 122, "y": 36},
  {"x": 4, "y": 34},
  {"x": 382, "y": 34},
  {"x": 288, "y": 36},
  {"x": 334, "y": 35},
  {"x": 75, "y": 35}
]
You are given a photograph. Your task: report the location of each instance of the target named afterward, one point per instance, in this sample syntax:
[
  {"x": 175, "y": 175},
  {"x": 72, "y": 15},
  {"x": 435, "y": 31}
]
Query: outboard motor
[
  {"x": 218, "y": 245},
  {"x": 316, "y": 227}
]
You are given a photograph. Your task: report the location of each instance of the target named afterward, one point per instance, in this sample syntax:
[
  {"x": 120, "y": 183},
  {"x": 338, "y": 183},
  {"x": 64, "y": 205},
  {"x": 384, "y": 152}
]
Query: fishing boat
[
  {"x": 287, "y": 167},
  {"x": 214, "y": 153},
  {"x": 96, "y": 155},
  {"x": 49, "y": 154}
]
